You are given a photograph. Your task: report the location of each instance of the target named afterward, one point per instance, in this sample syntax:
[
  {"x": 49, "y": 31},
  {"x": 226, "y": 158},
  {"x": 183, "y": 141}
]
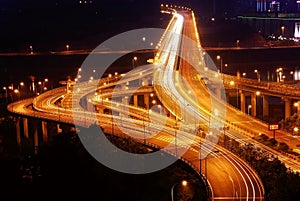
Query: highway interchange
[{"x": 193, "y": 106}]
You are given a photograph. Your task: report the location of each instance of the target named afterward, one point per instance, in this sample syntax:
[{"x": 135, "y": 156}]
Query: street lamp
[
  {"x": 249, "y": 107},
  {"x": 4, "y": 88},
  {"x": 296, "y": 104},
  {"x": 183, "y": 183},
  {"x": 67, "y": 47},
  {"x": 16, "y": 91},
  {"x": 144, "y": 118},
  {"x": 31, "y": 49},
  {"x": 257, "y": 74},
  {"x": 232, "y": 83},
  {"x": 221, "y": 62},
  {"x": 134, "y": 59},
  {"x": 282, "y": 30}
]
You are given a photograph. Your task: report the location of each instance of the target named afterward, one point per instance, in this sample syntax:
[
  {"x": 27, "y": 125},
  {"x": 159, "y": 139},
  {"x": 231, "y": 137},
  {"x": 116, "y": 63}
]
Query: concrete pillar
[
  {"x": 287, "y": 106},
  {"x": 135, "y": 100},
  {"x": 18, "y": 130},
  {"x": 123, "y": 87},
  {"x": 144, "y": 81},
  {"x": 44, "y": 131},
  {"x": 253, "y": 104},
  {"x": 227, "y": 97},
  {"x": 297, "y": 106},
  {"x": 100, "y": 109},
  {"x": 125, "y": 100},
  {"x": 59, "y": 130},
  {"x": 242, "y": 103},
  {"x": 35, "y": 137},
  {"x": 265, "y": 106},
  {"x": 25, "y": 127},
  {"x": 146, "y": 101}
]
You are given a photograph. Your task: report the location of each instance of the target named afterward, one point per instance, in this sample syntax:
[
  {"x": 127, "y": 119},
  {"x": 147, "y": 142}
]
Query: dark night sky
[{"x": 50, "y": 24}]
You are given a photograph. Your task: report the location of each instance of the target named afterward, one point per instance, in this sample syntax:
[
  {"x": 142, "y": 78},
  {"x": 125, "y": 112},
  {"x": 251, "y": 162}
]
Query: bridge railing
[{"x": 276, "y": 88}]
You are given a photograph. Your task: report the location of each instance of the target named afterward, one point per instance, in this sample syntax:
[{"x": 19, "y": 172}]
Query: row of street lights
[
  {"x": 35, "y": 88},
  {"x": 31, "y": 48},
  {"x": 280, "y": 77}
]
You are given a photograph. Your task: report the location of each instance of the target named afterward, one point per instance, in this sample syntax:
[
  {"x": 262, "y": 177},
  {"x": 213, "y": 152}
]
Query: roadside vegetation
[
  {"x": 291, "y": 124},
  {"x": 63, "y": 169},
  {"x": 281, "y": 183}
]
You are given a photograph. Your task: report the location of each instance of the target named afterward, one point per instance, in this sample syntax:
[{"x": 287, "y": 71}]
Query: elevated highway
[{"x": 185, "y": 95}]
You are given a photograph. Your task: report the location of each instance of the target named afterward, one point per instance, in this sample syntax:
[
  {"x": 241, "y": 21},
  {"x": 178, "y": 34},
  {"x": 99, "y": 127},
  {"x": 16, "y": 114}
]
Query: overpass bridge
[{"x": 231, "y": 178}]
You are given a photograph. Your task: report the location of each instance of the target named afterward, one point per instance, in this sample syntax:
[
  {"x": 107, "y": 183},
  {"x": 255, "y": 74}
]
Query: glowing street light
[
  {"x": 249, "y": 107},
  {"x": 67, "y": 47},
  {"x": 4, "y": 88},
  {"x": 221, "y": 62},
  {"x": 282, "y": 30},
  {"x": 31, "y": 49},
  {"x": 183, "y": 183},
  {"x": 257, "y": 74},
  {"x": 134, "y": 59}
]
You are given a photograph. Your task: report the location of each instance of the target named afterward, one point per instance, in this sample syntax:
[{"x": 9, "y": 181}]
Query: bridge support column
[
  {"x": 59, "y": 130},
  {"x": 45, "y": 131},
  {"x": 35, "y": 137},
  {"x": 265, "y": 106},
  {"x": 125, "y": 100},
  {"x": 253, "y": 104},
  {"x": 297, "y": 105},
  {"x": 146, "y": 101},
  {"x": 123, "y": 86},
  {"x": 242, "y": 102},
  {"x": 100, "y": 109},
  {"x": 25, "y": 127},
  {"x": 135, "y": 100},
  {"x": 18, "y": 130},
  {"x": 227, "y": 97},
  {"x": 145, "y": 82},
  {"x": 287, "y": 106}
]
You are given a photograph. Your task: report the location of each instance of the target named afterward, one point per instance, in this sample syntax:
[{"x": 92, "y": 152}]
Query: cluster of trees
[
  {"x": 271, "y": 142},
  {"x": 281, "y": 184},
  {"x": 63, "y": 169},
  {"x": 290, "y": 123}
]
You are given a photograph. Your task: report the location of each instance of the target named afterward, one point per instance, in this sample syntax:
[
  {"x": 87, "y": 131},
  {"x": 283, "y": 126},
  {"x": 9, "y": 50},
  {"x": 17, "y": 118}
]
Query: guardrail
[{"x": 270, "y": 88}]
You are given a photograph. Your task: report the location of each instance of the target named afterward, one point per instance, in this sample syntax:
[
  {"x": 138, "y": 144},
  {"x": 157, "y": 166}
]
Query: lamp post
[
  {"x": 175, "y": 135},
  {"x": 296, "y": 104},
  {"x": 134, "y": 59},
  {"x": 221, "y": 62},
  {"x": 249, "y": 107},
  {"x": 257, "y": 74},
  {"x": 4, "y": 88},
  {"x": 16, "y": 91},
  {"x": 282, "y": 31},
  {"x": 67, "y": 47},
  {"x": 183, "y": 183},
  {"x": 31, "y": 49},
  {"x": 144, "y": 115}
]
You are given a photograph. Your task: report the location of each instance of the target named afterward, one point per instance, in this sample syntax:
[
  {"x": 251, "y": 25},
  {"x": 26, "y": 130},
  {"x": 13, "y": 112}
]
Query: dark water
[
  {"x": 264, "y": 60},
  {"x": 14, "y": 69}
]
